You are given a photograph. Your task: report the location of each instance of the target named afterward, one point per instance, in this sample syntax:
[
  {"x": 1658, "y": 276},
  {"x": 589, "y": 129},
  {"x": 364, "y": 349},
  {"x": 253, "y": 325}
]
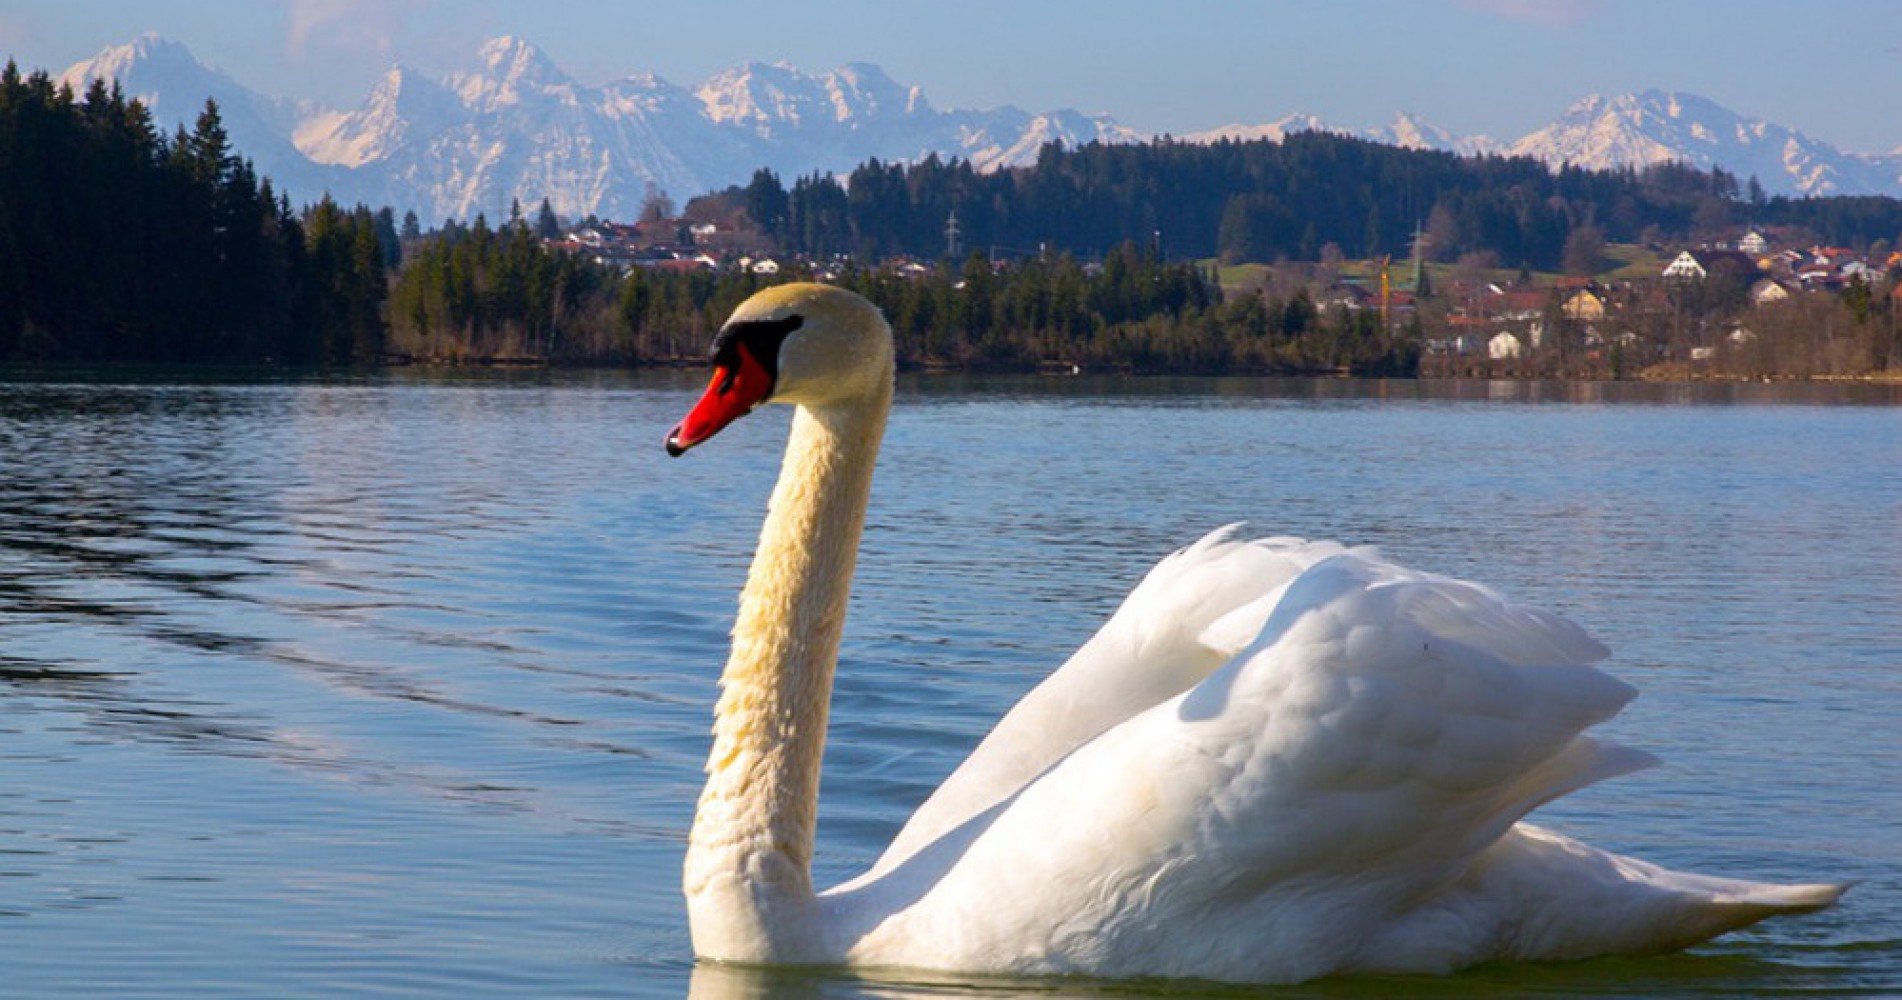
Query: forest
[
  {"x": 120, "y": 243},
  {"x": 1265, "y": 201}
]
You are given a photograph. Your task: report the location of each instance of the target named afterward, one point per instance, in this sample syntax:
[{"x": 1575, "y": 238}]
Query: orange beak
[{"x": 739, "y": 384}]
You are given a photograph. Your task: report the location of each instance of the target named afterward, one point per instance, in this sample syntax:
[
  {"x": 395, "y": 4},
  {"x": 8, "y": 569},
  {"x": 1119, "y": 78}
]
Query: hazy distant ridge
[{"x": 513, "y": 125}]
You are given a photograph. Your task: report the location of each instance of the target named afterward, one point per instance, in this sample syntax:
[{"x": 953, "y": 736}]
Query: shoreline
[{"x": 1671, "y": 373}]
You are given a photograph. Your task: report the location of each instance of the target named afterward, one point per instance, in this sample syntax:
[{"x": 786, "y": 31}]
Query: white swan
[{"x": 1278, "y": 760}]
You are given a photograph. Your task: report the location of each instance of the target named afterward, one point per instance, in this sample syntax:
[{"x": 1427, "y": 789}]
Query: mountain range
[{"x": 512, "y": 126}]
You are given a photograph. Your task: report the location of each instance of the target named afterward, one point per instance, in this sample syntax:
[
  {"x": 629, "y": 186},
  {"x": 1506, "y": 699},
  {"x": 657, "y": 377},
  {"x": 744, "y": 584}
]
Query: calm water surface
[{"x": 400, "y": 687}]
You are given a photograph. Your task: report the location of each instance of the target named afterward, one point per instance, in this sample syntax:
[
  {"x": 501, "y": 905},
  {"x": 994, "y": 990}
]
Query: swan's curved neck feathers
[{"x": 748, "y": 871}]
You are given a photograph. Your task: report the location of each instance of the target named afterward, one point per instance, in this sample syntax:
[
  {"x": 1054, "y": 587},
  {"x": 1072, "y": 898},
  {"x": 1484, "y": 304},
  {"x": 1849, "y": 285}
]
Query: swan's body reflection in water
[{"x": 1622, "y": 979}]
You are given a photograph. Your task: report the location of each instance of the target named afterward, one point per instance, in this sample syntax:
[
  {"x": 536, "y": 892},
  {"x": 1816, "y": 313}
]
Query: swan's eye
[{"x": 761, "y": 338}]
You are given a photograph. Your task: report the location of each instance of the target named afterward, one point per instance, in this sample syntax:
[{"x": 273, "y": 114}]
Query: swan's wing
[
  {"x": 1384, "y": 729},
  {"x": 1190, "y": 614}
]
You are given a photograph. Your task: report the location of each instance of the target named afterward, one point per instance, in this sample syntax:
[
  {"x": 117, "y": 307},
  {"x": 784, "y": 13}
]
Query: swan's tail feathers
[
  {"x": 1584, "y": 902},
  {"x": 1718, "y": 906},
  {"x": 1767, "y": 900}
]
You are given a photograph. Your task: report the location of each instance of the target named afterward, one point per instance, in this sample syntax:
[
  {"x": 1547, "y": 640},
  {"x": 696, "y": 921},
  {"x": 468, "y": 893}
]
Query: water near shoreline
[{"x": 400, "y": 685}]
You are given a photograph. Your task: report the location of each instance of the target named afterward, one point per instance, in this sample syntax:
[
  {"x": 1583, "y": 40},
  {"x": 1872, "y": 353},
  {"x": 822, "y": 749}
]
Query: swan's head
[{"x": 807, "y": 344}]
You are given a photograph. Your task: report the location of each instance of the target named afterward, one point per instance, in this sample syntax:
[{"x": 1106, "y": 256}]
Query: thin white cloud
[
  {"x": 1537, "y": 11},
  {"x": 363, "y": 27}
]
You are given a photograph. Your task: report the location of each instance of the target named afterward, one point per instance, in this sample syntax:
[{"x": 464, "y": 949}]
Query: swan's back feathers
[
  {"x": 1192, "y": 612},
  {"x": 1352, "y": 772},
  {"x": 1432, "y": 710}
]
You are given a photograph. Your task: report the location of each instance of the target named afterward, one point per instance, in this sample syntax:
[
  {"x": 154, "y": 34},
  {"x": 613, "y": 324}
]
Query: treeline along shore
[
  {"x": 120, "y": 243},
  {"x": 481, "y": 294}
]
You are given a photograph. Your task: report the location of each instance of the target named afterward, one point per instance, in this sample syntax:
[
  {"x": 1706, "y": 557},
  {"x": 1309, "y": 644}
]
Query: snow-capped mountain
[
  {"x": 512, "y": 126},
  {"x": 1657, "y": 126},
  {"x": 1007, "y": 137},
  {"x": 1409, "y": 131},
  {"x": 403, "y": 105},
  {"x": 768, "y": 100}
]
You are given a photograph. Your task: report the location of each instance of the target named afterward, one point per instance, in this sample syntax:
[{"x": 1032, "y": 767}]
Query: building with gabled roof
[
  {"x": 1767, "y": 291},
  {"x": 1686, "y": 266},
  {"x": 1584, "y": 305}
]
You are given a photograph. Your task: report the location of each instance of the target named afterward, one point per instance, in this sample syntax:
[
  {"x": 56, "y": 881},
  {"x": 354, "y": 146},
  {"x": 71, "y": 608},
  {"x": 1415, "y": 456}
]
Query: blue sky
[{"x": 1502, "y": 67}]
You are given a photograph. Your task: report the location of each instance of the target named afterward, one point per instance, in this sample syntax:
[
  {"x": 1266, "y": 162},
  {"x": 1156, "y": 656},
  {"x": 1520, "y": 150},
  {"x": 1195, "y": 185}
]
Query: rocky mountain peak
[{"x": 509, "y": 71}]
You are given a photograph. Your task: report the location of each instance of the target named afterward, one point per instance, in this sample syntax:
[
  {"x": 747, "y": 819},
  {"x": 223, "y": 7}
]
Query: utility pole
[
  {"x": 1420, "y": 242},
  {"x": 952, "y": 245}
]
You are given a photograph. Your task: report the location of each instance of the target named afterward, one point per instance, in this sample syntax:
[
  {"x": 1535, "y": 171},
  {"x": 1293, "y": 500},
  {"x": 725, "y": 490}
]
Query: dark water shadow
[{"x": 1681, "y": 975}]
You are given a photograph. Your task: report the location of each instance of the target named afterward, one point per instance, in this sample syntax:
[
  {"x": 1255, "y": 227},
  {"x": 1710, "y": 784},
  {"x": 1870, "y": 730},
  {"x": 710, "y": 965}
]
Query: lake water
[{"x": 401, "y": 686}]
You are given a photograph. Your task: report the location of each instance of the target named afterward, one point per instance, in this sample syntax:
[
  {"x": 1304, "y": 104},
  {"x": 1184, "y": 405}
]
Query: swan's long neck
[{"x": 748, "y": 872}]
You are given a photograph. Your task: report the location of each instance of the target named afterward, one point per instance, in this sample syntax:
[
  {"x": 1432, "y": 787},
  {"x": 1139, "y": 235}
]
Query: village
[
  {"x": 1709, "y": 304},
  {"x": 1725, "y": 307}
]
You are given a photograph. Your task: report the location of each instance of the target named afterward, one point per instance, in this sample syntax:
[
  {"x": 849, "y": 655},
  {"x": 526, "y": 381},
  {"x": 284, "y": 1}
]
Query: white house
[
  {"x": 1504, "y": 346},
  {"x": 1686, "y": 266},
  {"x": 1753, "y": 243}
]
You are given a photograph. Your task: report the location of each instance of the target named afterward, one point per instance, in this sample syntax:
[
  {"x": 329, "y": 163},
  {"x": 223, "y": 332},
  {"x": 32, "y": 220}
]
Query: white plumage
[{"x": 1278, "y": 760}]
